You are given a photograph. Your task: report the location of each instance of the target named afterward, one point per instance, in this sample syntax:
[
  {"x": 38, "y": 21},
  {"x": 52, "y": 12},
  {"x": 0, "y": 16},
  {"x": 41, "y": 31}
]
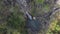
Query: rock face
[{"x": 58, "y": 2}]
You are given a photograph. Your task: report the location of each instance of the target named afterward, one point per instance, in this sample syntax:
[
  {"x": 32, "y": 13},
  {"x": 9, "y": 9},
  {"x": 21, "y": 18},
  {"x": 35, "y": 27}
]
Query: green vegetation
[
  {"x": 54, "y": 27},
  {"x": 15, "y": 22},
  {"x": 40, "y": 1}
]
